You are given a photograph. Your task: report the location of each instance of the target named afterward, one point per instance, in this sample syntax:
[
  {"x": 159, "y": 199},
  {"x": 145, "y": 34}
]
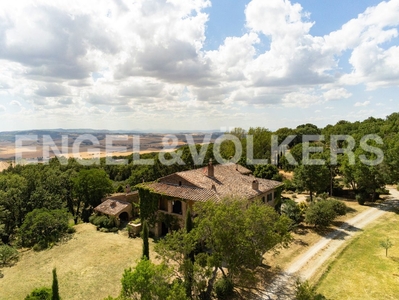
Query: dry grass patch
[{"x": 89, "y": 266}]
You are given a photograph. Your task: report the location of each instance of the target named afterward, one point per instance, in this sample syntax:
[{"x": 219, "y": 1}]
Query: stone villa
[{"x": 179, "y": 191}]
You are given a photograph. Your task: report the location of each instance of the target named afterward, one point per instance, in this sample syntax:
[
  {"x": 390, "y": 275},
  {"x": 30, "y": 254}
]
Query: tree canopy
[
  {"x": 43, "y": 226},
  {"x": 232, "y": 234}
]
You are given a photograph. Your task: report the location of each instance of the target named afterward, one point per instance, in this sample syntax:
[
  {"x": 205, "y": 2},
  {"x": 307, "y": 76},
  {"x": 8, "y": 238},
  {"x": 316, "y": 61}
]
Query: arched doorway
[{"x": 124, "y": 217}]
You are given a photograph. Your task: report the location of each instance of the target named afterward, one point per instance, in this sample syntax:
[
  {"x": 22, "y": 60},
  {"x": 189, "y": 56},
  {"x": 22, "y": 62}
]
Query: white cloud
[
  {"x": 304, "y": 98},
  {"x": 2, "y": 108},
  {"x": 359, "y": 104},
  {"x": 16, "y": 103},
  {"x": 336, "y": 93},
  {"x": 373, "y": 64},
  {"x": 72, "y": 59},
  {"x": 277, "y": 18}
]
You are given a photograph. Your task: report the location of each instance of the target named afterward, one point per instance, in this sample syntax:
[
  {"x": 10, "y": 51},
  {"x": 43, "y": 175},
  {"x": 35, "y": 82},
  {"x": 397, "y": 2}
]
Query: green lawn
[{"x": 362, "y": 271}]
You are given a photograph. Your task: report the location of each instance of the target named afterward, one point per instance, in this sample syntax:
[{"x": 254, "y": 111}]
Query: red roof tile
[
  {"x": 228, "y": 180},
  {"x": 112, "y": 207}
]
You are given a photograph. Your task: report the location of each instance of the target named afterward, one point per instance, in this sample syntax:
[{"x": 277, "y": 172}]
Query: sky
[{"x": 196, "y": 64}]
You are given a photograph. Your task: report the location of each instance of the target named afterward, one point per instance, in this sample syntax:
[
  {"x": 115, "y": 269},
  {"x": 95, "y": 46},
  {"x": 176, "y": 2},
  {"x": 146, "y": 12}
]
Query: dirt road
[{"x": 307, "y": 264}]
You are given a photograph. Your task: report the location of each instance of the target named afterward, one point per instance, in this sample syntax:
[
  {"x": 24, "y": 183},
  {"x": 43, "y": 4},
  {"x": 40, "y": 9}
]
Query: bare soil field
[
  {"x": 85, "y": 149},
  {"x": 89, "y": 266},
  {"x": 3, "y": 165}
]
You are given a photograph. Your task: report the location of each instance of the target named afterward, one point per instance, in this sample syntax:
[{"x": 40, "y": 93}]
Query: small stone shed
[
  {"x": 123, "y": 206},
  {"x": 121, "y": 210}
]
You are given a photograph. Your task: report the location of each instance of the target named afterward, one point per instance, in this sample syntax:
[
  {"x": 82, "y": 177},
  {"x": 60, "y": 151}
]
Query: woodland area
[
  {"x": 79, "y": 188},
  {"x": 49, "y": 196}
]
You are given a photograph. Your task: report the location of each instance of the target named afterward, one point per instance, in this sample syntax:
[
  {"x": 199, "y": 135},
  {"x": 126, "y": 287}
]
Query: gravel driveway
[{"x": 309, "y": 262}]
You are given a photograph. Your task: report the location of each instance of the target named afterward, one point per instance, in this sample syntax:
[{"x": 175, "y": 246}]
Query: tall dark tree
[
  {"x": 146, "y": 246},
  {"x": 54, "y": 287},
  {"x": 90, "y": 186},
  {"x": 189, "y": 221},
  {"x": 189, "y": 258}
]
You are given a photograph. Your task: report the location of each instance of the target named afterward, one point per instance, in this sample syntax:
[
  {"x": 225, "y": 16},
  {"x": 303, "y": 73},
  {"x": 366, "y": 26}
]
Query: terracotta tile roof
[
  {"x": 183, "y": 192},
  {"x": 228, "y": 180},
  {"x": 112, "y": 207}
]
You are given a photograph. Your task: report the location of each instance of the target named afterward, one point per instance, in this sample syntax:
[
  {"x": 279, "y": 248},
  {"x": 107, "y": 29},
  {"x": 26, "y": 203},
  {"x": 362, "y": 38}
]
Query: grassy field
[
  {"x": 361, "y": 270},
  {"x": 89, "y": 266}
]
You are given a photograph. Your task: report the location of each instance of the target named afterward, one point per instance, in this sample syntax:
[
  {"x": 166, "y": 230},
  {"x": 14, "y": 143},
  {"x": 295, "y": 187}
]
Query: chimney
[
  {"x": 128, "y": 189},
  {"x": 211, "y": 172},
  {"x": 255, "y": 185}
]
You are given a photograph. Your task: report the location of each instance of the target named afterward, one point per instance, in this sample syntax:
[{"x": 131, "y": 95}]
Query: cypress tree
[
  {"x": 54, "y": 288},
  {"x": 189, "y": 221},
  {"x": 189, "y": 259},
  {"x": 146, "y": 247}
]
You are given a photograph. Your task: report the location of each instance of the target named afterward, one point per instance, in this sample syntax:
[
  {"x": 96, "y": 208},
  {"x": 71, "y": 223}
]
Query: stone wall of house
[
  {"x": 267, "y": 198},
  {"x": 185, "y": 204}
]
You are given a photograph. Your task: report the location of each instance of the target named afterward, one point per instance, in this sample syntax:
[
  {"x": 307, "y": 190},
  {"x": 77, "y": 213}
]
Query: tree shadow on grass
[
  {"x": 350, "y": 210},
  {"x": 338, "y": 233},
  {"x": 301, "y": 229},
  {"x": 301, "y": 243}
]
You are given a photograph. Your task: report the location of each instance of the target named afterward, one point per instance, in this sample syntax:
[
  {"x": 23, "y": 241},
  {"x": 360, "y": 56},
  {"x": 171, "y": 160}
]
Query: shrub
[
  {"x": 224, "y": 288},
  {"x": 303, "y": 206},
  {"x": 278, "y": 177},
  {"x": 338, "y": 206},
  {"x": 102, "y": 221},
  {"x": 8, "y": 255},
  {"x": 361, "y": 198},
  {"x": 291, "y": 209},
  {"x": 71, "y": 230},
  {"x": 113, "y": 229},
  {"x": 136, "y": 221},
  {"x": 323, "y": 196},
  {"x": 289, "y": 186},
  {"x": 43, "y": 227},
  {"x": 320, "y": 214},
  {"x": 42, "y": 293}
]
